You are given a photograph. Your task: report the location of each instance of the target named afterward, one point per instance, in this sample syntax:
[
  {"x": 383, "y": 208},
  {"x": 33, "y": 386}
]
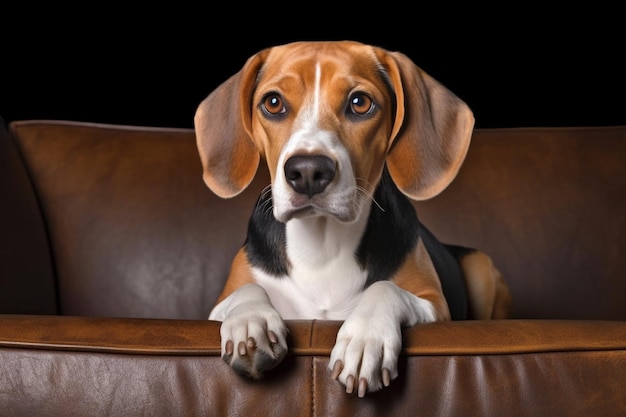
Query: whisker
[
  {"x": 267, "y": 189},
  {"x": 265, "y": 200},
  {"x": 364, "y": 191},
  {"x": 268, "y": 206}
]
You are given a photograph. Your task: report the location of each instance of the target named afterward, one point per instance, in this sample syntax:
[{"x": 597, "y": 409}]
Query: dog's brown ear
[
  {"x": 222, "y": 124},
  {"x": 431, "y": 132}
]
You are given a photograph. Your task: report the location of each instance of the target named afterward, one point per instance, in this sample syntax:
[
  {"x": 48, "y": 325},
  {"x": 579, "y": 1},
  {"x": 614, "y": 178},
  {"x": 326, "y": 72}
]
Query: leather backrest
[
  {"x": 549, "y": 205},
  {"x": 134, "y": 230}
]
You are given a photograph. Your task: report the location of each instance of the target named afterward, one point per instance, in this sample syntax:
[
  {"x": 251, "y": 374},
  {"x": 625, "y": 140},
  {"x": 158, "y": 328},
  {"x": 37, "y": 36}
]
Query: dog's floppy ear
[
  {"x": 431, "y": 132},
  {"x": 222, "y": 124}
]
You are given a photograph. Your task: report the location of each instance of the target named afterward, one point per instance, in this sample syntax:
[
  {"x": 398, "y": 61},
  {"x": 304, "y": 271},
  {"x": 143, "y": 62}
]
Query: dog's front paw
[
  {"x": 365, "y": 356},
  {"x": 254, "y": 342}
]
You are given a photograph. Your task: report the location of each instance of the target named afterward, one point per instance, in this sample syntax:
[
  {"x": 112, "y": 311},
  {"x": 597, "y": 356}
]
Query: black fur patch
[
  {"x": 266, "y": 241},
  {"x": 391, "y": 232}
]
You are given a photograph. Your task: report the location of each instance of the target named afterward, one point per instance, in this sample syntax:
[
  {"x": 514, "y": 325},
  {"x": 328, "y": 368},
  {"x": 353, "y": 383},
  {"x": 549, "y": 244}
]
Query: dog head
[{"x": 326, "y": 117}]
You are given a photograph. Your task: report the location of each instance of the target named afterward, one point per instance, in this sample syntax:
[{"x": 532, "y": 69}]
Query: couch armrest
[
  {"x": 115, "y": 366},
  {"x": 27, "y": 282}
]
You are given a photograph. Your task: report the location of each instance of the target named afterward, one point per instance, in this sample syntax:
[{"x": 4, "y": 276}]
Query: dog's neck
[
  {"x": 316, "y": 241},
  {"x": 321, "y": 255}
]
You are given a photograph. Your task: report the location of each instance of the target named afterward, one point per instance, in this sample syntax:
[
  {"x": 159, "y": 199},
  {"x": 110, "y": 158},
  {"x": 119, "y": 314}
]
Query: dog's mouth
[
  {"x": 304, "y": 212},
  {"x": 302, "y": 207}
]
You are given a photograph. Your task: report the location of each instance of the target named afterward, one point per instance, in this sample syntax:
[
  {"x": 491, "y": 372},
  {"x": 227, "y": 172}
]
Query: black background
[{"x": 151, "y": 67}]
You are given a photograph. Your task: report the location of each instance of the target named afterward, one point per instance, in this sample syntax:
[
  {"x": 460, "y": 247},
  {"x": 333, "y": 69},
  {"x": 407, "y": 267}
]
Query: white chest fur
[{"x": 326, "y": 280}]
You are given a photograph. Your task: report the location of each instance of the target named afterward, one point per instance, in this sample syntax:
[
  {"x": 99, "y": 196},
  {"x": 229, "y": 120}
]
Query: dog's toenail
[{"x": 362, "y": 387}]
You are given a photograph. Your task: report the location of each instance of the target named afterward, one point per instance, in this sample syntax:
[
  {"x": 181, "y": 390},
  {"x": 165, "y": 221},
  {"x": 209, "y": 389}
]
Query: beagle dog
[{"x": 350, "y": 132}]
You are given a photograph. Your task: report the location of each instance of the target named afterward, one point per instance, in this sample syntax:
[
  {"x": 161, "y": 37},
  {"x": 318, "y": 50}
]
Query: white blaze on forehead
[
  {"x": 308, "y": 119},
  {"x": 307, "y": 135},
  {"x": 318, "y": 89}
]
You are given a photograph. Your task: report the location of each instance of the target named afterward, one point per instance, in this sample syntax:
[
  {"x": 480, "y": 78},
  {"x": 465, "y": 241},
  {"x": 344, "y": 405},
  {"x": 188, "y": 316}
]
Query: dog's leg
[
  {"x": 368, "y": 344},
  {"x": 253, "y": 333},
  {"x": 365, "y": 356},
  {"x": 488, "y": 294}
]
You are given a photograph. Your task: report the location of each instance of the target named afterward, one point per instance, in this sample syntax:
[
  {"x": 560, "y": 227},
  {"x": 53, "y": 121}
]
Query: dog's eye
[
  {"x": 361, "y": 104},
  {"x": 273, "y": 104}
]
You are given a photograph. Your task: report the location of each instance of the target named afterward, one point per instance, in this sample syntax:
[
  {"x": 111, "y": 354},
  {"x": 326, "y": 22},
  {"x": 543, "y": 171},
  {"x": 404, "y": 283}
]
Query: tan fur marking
[
  {"x": 240, "y": 274},
  {"x": 489, "y": 296},
  {"x": 418, "y": 276}
]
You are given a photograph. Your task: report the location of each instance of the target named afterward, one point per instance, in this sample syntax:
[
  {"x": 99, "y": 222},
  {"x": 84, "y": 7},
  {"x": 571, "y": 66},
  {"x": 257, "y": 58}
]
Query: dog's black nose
[{"x": 309, "y": 174}]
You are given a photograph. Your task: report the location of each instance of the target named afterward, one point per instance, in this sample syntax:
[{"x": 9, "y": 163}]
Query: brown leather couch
[{"x": 112, "y": 252}]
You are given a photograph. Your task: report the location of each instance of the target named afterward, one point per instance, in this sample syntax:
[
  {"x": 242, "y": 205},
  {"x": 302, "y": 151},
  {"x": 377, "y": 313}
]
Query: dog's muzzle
[{"x": 315, "y": 184}]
